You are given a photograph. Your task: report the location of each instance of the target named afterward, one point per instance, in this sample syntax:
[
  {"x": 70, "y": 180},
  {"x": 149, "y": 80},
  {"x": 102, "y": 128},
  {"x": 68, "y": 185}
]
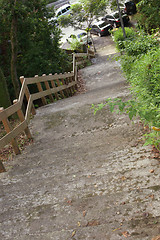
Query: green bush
[
  {"x": 50, "y": 1},
  {"x": 148, "y": 15},
  {"x": 119, "y": 38},
  {"x": 75, "y": 44},
  {"x": 145, "y": 77},
  {"x": 140, "y": 62},
  {"x": 141, "y": 45}
]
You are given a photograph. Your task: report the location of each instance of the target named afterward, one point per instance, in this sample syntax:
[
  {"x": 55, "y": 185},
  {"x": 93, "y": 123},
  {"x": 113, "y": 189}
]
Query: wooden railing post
[
  {"x": 27, "y": 93},
  {"x": 54, "y": 86},
  {"x": 48, "y": 87},
  {"x": 88, "y": 55},
  {"x": 8, "y": 129},
  {"x": 40, "y": 89},
  {"x": 74, "y": 62},
  {"x": 64, "y": 82},
  {"x": 2, "y": 168},
  {"x": 72, "y": 89},
  {"x": 59, "y": 84},
  {"x": 76, "y": 73},
  {"x": 22, "y": 118}
]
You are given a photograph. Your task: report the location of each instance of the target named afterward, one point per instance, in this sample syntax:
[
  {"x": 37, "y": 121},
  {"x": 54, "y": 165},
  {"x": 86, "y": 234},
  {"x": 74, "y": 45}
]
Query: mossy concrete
[{"x": 85, "y": 176}]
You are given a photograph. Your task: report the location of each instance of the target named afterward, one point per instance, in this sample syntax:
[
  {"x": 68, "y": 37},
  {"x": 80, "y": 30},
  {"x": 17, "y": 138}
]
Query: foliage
[
  {"x": 113, "y": 5},
  {"x": 83, "y": 14},
  {"x": 4, "y": 95},
  {"x": 141, "y": 44},
  {"x": 50, "y": 1},
  {"x": 134, "y": 49},
  {"x": 140, "y": 62},
  {"x": 144, "y": 79},
  {"x": 119, "y": 38},
  {"x": 38, "y": 49},
  {"x": 75, "y": 44},
  {"x": 148, "y": 15}
]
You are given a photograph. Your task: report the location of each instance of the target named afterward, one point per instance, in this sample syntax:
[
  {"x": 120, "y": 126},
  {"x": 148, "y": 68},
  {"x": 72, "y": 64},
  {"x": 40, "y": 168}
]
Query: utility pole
[{"x": 120, "y": 16}]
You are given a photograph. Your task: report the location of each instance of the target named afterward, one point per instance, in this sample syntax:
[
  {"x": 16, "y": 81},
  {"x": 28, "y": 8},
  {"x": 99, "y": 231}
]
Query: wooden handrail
[
  {"x": 47, "y": 78},
  {"x": 57, "y": 84},
  {"x": 9, "y": 111},
  {"x": 13, "y": 134},
  {"x": 26, "y": 93}
]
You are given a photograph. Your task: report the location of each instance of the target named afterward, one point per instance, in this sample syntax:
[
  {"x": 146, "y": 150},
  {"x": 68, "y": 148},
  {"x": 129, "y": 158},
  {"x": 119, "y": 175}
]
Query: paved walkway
[{"x": 85, "y": 177}]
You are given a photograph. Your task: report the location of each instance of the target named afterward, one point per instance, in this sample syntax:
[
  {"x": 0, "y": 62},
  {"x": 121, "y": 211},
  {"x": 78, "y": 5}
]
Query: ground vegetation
[
  {"x": 140, "y": 63},
  {"x": 148, "y": 15}
]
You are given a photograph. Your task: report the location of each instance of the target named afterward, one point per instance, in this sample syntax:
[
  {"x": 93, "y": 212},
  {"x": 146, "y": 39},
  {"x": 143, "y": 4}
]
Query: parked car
[
  {"x": 114, "y": 19},
  {"x": 130, "y": 7},
  {"x": 100, "y": 28},
  {"x": 64, "y": 10},
  {"x": 81, "y": 37}
]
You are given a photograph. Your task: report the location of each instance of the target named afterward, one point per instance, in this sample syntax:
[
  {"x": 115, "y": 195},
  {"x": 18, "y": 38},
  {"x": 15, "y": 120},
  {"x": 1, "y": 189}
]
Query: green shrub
[
  {"x": 140, "y": 62},
  {"x": 148, "y": 15},
  {"x": 75, "y": 44},
  {"x": 145, "y": 76},
  {"x": 119, "y": 38},
  {"x": 50, "y": 1},
  {"x": 141, "y": 45},
  {"x": 143, "y": 73}
]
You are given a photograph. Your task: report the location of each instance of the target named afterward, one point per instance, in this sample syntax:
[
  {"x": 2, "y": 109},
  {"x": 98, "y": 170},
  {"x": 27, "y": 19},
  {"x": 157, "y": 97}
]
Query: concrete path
[{"x": 86, "y": 176}]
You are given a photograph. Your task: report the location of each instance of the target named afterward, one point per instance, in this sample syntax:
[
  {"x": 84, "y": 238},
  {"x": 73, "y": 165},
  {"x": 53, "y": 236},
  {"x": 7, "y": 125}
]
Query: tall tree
[
  {"x": 31, "y": 42},
  {"x": 9, "y": 10},
  {"x": 14, "y": 47},
  {"x": 83, "y": 14},
  {"x": 4, "y": 95}
]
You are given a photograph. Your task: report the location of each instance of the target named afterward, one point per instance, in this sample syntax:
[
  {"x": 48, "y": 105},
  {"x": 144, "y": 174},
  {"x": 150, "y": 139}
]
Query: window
[
  {"x": 73, "y": 36},
  {"x": 102, "y": 25},
  {"x": 111, "y": 17},
  {"x": 81, "y": 35},
  {"x": 68, "y": 8},
  {"x": 64, "y": 10},
  {"x": 116, "y": 15},
  {"x": 59, "y": 13}
]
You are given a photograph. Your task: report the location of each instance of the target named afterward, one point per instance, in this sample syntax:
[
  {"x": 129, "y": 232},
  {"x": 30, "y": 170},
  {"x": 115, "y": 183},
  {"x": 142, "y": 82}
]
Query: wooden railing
[{"x": 54, "y": 87}]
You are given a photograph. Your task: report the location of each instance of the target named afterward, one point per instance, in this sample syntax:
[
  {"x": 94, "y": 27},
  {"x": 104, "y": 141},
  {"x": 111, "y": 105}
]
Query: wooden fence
[{"x": 54, "y": 87}]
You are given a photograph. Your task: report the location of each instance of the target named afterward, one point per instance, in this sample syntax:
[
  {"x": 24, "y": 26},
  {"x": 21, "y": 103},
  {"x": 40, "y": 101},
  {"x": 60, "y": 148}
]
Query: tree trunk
[
  {"x": 93, "y": 43},
  {"x": 120, "y": 16},
  {"x": 4, "y": 94},
  {"x": 14, "y": 49}
]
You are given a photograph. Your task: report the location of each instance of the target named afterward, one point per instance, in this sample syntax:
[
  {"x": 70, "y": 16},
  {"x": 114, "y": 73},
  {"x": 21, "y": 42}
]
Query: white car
[
  {"x": 64, "y": 10},
  {"x": 81, "y": 37}
]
